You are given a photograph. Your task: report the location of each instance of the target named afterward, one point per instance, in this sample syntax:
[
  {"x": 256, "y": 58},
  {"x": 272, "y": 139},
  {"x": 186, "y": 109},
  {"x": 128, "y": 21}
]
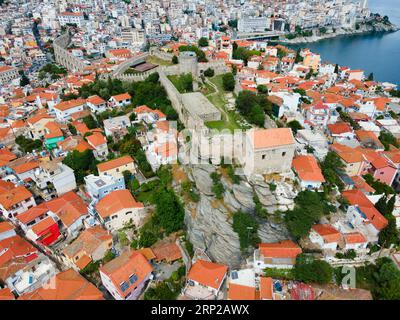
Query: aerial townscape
[{"x": 192, "y": 150}]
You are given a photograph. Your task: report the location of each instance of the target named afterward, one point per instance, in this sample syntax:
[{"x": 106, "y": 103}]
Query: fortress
[{"x": 194, "y": 109}]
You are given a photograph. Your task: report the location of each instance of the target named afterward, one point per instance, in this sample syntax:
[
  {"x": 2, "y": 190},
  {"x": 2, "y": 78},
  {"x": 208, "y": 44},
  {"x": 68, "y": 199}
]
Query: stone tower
[{"x": 188, "y": 63}]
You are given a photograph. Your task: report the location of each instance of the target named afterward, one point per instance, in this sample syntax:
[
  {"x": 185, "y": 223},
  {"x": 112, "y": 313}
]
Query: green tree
[
  {"x": 90, "y": 122},
  {"x": 309, "y": 74},
  {"x": 260, "y": 211},
  {"x": 294, "y": 125},
  {"x": 218, "y": 187},
  {"x": 234, "y": 70},
  {"x": 160, "y": 292},
  {"x": 388, "y": 139},
  {"x": 209, "y": 72},
  {"x": 28, "y": 145},
  {"x": 246, "y": 227},
  {"x": 262, "y": 89},
  {"x": 308, "y": 209},
  {"x": 252, "y": 107},
  {"x": 201, "y": 56},
  {"x": 203, "y": 42},
  {"x": 83, "y": 164},
  {"x": 24, "y": 80},
  {"x": 390, "y": 234},
  {"x": 228, "y": 82},
  {"x": 165, "y": 175},
  {"x": 309, "y": 270},
  {"x": 71, "y": 129},
  {"x": 108, "y": 256},
  {"x": 380, "y": 187},
  {"x": 169, "y": 211},
  {"x": 298, "y": 58},
  {"x": 332, "y": 167}
]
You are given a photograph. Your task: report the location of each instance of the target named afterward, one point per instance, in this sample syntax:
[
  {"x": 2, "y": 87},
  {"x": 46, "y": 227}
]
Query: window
[
  {"x": 124, "y": 286},
  {"x": 114, "y": 217},
  {"x": 117, "y": 169},
  {"x": 133, "y": 278},
  {"x": 283, "y": 154},
  {"x": 129, "y": 212},
  {"x": 263, "y": 156}
]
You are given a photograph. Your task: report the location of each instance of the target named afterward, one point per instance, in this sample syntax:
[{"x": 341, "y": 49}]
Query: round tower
[{"x": 188, "y": 63}]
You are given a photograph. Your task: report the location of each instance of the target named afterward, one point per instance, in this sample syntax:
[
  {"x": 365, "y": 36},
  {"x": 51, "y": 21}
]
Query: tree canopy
[
  {"x": 309, "y": 208},
  {"x": 169, "y": 211},
  {"x": 228, "y": 81},
  {"x": 83, "y": 164},
  {"x": 252, "y": 107},
  {"x": 332, "y": 167},
  {"x": 203, "y": 42},
  {"x": 309, "y": 270},
  {"x": 246, "y": 227},
  {"x": 390, "y": 234},
  {"x": 28, "y": 145}
]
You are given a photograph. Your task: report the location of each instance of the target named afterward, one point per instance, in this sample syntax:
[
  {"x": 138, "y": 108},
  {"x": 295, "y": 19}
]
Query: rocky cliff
[{"x": 209, "y": 222}]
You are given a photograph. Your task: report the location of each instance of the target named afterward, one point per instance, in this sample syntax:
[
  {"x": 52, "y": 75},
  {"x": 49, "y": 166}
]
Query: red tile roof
[
  {"x": 68, "y": 285},
  {"x": 6, "y": 226},
  {"x": 307, "y": 168},
  {"x": 207, "y": 273},
  {"x": 327, "y": 232},
  {"x": 121, "y": 268},
  {"x": 269, "y": 138},
  {"x": 31, "y": 165},
  {"x": 266, "y": 291},
  {"x": 115, "y": 202},
  {"x": 115, "y": 163},
  {"x": 121, "y": 97},
  {"x": 65, "y": 105},
  {"x": 95, "y": 100},
  {"x": 356, "y": 197},
  {"x": 354, "y": 237},
  {"x": 14, "y": 196},
  {"x": 339, "y": 128},
  {"x": 241, "y": 292},
  {"x": 96, "y": 139},
  {"x": 6, "y": 294},
  {"x": 69, "y": 207},
  {"x": 282, "y": 249}
]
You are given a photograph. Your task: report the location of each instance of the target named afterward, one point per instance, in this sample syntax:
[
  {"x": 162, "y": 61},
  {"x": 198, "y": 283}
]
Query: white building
[
  {"x": 96, "y": 104},
  {"x": 63, "y": 110},
  {"x": 7, "y": 74},
  {"x": 126, "y": 276},
  {"x": 325, "y": 236},
  {"x": 71, "y": 18},
  {"x": 58, "y": 174},
  {"x": 254, "y": 24},
  {"x": 119, "y": 208},
  {"x": 116, "y": 124},
  {"x": 16, "y": 201}
]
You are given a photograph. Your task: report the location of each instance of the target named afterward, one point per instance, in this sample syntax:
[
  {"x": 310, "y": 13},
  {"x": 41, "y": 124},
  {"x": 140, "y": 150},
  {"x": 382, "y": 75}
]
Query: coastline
[{"x": 364, "y": 30}]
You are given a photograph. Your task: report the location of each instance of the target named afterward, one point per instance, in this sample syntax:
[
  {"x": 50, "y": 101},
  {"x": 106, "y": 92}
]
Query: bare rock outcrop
[
  {"x": 201, "y": 176},
  {"x": 210, "y": 229}
]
